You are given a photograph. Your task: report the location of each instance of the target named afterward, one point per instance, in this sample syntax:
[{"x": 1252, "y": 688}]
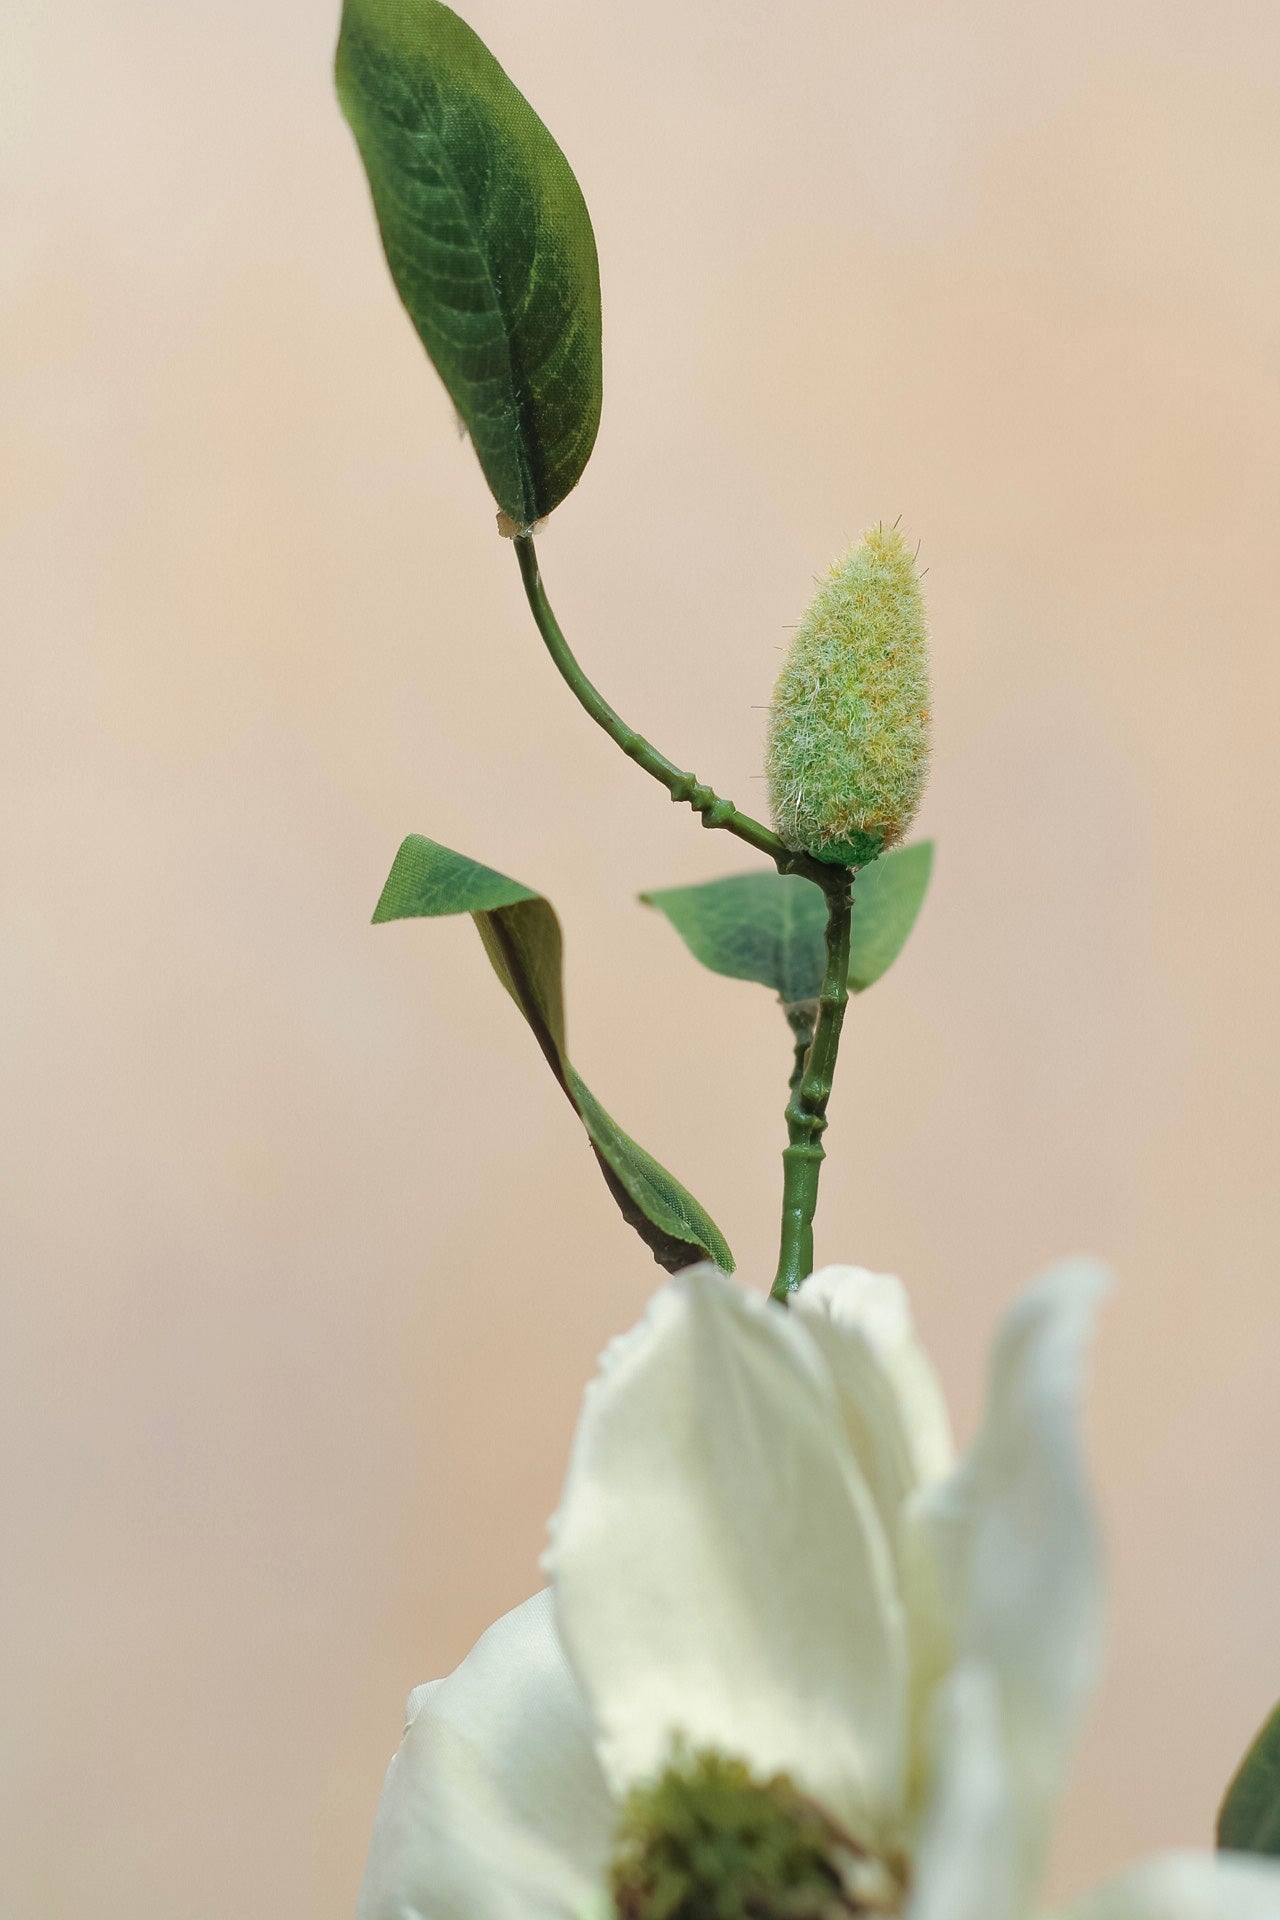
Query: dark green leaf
[
  {"x": 770, "y": 927},
  {"x": 488, "y": 239},
  {"x": 521, "y": 936},
  {"x": 1249, "y": 1821}
]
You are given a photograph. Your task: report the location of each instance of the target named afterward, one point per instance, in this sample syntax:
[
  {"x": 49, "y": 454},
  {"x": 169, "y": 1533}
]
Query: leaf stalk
[{"x": 683, "y": 787}]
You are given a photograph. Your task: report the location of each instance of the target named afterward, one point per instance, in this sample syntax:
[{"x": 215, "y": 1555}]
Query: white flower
[{"x": 766, "y": 1553}]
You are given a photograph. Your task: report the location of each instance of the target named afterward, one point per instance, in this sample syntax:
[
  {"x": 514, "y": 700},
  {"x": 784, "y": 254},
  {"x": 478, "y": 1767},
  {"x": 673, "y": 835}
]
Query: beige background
[{"x": 305, "y": 1264}]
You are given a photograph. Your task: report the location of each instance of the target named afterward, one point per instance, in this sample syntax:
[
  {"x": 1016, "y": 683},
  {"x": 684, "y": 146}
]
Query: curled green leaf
[
  {"x": 1249, "y": 1819},
  {"x": 771, "y": 927},
  {"x": 488, "y": 240},
  {"x": 521, "y": 936}
]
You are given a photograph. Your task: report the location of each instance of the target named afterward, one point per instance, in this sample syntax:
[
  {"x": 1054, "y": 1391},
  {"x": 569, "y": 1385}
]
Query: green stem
[
  {"x": 816, "y": 1044},
  {"x": 810, "y": 1091},
  {"x": 680, "y": 785},
  {"x": 801, "y": 1018}
]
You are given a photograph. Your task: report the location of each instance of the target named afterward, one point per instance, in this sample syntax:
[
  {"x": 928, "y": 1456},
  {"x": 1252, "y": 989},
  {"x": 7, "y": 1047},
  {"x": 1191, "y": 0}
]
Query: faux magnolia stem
[
  {"x": 816, "y": 1044},
  {"x": 810, "y": 1092},
  {"x": 680, "y": 785}
]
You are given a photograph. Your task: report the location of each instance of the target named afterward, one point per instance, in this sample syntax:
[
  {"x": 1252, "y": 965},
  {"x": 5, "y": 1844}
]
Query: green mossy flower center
[{"x": 708, "y": 1841}]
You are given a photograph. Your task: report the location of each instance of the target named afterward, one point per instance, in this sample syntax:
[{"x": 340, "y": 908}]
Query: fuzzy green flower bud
[{"x": 848, "y": 743}]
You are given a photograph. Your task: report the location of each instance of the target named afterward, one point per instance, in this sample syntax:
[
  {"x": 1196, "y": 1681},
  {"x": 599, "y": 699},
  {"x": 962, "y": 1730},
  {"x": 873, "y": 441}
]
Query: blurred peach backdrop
[{"x": 305, "y": 1262}]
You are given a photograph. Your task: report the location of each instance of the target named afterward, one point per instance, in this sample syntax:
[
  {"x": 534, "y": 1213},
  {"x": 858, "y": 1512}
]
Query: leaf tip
[{"x": 391, "y": 900}]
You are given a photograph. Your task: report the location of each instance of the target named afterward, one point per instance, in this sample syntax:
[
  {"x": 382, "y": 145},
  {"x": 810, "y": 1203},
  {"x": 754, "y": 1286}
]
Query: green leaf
[
  {"x": 753, "y": 926},
  {"x": 887, "y": 898},
  {"x": 488, "y": 239},
  {"x": 1249, "y": 1821},
  {"x": 771, "y": 927},
  {"x": 521, "y": 936}
]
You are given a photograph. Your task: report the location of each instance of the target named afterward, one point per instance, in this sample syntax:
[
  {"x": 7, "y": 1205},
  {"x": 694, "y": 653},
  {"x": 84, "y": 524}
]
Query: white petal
[
  {"x": 1185, "y": 1886},
  {"x": 894, "y": 1413},
  {"x": 965, "y": 1858},
  {"x": 719, "y": 1569},
  {"x": 1006, "y": 1549},
  {"x": 495, "y": 1804}
]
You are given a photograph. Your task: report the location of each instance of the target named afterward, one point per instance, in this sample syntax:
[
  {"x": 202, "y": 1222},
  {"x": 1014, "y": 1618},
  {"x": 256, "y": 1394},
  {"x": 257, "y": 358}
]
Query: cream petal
[
  {"x": 894, "y": 1413},
  {"x": 494, "y": 1804},
  {"x": 965, "y": 1866},
  {"x": 720, "y": 1572},
  {"x": 1004, "y": 1563},
  {"x": 1185, "y": 1886}
]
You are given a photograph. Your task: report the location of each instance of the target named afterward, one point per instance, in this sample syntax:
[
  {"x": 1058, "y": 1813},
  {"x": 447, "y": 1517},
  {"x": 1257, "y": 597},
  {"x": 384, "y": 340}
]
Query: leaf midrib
[{"x": 527, "y": 489}]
